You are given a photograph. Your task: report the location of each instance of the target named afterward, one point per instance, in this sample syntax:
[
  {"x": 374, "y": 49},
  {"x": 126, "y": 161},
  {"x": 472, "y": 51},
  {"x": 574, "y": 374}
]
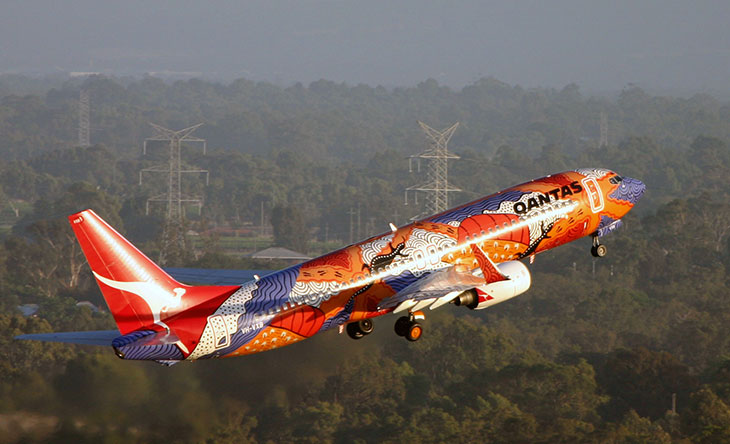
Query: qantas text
[{"x": 542, "y": 199}]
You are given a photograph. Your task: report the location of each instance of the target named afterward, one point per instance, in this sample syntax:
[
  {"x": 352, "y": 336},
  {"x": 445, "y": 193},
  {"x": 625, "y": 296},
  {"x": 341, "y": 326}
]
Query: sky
[{"x": 600, "y": 45}]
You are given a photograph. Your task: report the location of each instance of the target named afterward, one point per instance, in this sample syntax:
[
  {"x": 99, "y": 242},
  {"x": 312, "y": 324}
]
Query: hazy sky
[{"x": 601, "y": 45}]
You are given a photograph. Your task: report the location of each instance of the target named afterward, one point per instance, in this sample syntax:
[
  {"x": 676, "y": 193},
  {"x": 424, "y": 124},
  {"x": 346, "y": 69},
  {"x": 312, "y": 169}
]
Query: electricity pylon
[
  {"x": 173, "y": 236},
  {"x": 436, "y": 187},
  {"x": 84, "y": 119}
]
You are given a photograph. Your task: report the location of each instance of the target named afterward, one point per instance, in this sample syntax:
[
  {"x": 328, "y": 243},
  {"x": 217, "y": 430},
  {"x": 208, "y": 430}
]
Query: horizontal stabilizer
[
  {"x": 145, "y": 338},
  {"x": 99, "y": 337}
]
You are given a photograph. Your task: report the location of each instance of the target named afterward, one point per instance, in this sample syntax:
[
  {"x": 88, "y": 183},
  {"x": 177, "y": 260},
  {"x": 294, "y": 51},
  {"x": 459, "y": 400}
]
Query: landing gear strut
[
  {"x": 598, "y": 249},
  {"x": 409, "y": 327},
  {"x": 360, "y": 329}
]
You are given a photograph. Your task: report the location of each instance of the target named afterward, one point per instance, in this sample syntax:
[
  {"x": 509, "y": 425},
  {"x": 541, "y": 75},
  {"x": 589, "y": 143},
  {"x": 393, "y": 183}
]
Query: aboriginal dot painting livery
[{"x": 470, "y": 255}]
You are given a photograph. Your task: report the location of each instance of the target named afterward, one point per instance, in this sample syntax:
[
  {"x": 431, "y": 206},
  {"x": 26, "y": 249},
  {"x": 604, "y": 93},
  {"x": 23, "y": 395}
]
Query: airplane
[{"x": 470, "y": 256}]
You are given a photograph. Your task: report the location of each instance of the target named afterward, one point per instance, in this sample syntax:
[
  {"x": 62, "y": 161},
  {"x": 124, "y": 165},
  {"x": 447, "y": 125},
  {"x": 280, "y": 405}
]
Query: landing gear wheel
[
  {"x": 353, "y": 331},
  {"x": 402, "y": 325},
  {"x": 366, "y": 326},
  {"x": 359, "y": 329},
  {"x": 599, "y": 250},
  {"x": 408, "y": 327},
  {"x": 415, "y": 331}
]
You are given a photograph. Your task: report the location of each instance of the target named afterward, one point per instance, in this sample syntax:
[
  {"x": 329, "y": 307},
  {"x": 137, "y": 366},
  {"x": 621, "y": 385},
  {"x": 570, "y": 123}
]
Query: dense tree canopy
[{"x": 593, "y": 352}]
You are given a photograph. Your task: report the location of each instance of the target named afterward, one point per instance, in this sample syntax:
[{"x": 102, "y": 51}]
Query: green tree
[
  {"x": 96, "y": 387},
  {"x": 431, "y": 425},
  {"x": 291, "y": 228},
  {"x": 633, "y": 429},
  {"x": 318, "y": 422},
  {"x": 644, "y": 381},
  {"x": 707, "y": 420},
  {"x": 50, "y": 257},
  {"x": 550, "y": 391},
  {"x": 238, "y": 428},
  {"x": 495, "y": 419}
]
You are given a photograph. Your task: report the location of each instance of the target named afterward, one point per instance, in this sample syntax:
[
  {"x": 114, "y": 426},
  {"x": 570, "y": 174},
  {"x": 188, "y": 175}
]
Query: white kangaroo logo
[{"x": 157, "y": 298}]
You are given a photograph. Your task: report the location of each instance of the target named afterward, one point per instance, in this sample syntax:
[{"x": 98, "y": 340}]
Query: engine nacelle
[{"x": 487, "y": 295}]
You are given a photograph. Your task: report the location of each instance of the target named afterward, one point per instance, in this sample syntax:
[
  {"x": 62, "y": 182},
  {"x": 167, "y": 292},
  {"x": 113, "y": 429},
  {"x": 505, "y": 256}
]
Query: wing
[
  {"x": 214, "y": 277},
  {"x": 100, "y": 337},
  {"x": 442, "y": 286},
  {"x": 435, "y": 289}
]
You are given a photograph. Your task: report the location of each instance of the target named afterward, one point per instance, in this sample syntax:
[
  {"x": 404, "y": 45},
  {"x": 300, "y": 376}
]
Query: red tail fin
[{"x": 136, "y": 290}]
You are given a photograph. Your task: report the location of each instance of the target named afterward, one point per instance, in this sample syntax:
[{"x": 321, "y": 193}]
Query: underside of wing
[
  {"x": 99, "y": 337},
  {"x": 446, "y": 283}
]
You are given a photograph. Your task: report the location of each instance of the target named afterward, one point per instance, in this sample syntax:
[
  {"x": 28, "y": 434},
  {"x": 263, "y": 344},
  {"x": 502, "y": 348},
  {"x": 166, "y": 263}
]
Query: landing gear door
[{"x": 595, "y": 197}]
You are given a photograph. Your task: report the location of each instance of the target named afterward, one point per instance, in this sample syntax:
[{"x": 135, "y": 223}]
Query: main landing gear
[
  {"x": 360, "y": 329},
  {"x": 406, "y": 326},
  {"x": 409, "y": 327},
  {"x": 598, "y": 249}
]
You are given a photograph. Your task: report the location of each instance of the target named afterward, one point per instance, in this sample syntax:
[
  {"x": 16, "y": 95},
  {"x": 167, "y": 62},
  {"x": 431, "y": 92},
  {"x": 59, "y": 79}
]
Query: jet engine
[{"x": 487, "y": 295}]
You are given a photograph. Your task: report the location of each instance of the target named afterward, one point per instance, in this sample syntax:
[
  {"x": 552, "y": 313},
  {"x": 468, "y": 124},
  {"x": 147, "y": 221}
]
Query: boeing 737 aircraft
[{"x": 469, "y": 256}]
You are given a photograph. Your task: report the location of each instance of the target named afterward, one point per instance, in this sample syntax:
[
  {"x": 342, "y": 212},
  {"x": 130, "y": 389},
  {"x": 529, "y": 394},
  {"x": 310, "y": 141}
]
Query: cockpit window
[{"x": 616, "y": 180}]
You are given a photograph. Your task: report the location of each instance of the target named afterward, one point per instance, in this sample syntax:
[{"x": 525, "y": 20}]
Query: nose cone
[{"x": 629, "y": 190}]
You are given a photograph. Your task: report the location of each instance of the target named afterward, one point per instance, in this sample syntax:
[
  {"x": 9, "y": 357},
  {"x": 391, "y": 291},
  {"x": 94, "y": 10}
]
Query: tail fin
[{"x": 136, "y": 290}]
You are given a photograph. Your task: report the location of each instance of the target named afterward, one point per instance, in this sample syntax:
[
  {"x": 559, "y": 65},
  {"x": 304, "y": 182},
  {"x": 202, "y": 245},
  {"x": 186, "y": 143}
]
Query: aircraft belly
[{"x": 267, "y": 338}]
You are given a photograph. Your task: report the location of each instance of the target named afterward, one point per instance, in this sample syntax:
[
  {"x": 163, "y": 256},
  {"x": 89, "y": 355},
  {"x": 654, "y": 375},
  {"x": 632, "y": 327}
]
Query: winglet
[{"x": 490, "y": 271}]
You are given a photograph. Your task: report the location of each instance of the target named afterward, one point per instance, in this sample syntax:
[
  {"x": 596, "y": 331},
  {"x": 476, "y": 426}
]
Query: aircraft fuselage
[{"x": 470, "y": 255}]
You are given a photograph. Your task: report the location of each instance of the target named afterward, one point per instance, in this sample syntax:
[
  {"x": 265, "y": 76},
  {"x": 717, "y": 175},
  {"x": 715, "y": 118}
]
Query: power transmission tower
[
  {"x": 173, "y": 237},
  {"x": 84, "y": 125},
  {"x": 603, "y": 141},
  {"x": 436, "y": 187}
]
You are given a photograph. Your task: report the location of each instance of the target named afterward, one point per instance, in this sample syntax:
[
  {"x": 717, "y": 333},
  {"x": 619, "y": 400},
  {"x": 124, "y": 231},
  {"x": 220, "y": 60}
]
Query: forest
[{"x": 633, "y": 347}]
